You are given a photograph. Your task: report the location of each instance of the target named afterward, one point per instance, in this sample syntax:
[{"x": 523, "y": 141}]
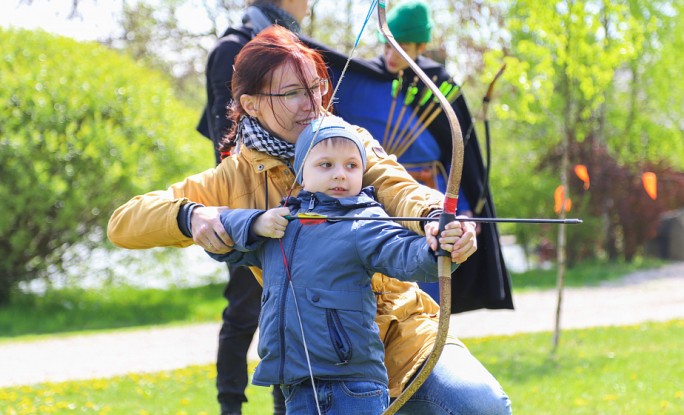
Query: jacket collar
[
  {"x": 259, "y": 161},
  {"x": 364, "y": 199}
]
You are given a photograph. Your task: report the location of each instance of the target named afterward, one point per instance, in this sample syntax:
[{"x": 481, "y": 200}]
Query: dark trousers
[{"x": 240, "y": 321}]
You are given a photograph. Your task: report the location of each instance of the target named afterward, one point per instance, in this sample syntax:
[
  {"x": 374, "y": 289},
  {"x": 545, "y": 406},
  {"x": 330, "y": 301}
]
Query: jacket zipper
[{"x": 283, "y": 298}]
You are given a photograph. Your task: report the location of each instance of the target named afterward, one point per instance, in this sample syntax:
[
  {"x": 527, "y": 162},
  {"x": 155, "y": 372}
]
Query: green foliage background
[
  {"x": 601, "y": 75},
  {"x": 82, "y": 129}
]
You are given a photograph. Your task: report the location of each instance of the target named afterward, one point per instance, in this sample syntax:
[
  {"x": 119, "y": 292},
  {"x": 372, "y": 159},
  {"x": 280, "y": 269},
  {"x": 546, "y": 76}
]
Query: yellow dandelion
[
  {"x": 679, "y": 394},
  {"x": 610, "y": 397},
  {"x": 664, "y": 404},
  {"x": 8, "y": 395},
  {"x": 64, "y": 405},
  {"x": 106, "y": 410},
  {"x": 47, "y": 409},
  {"x": 580, "y": 402},
  {"x": 99, "y": 384}
]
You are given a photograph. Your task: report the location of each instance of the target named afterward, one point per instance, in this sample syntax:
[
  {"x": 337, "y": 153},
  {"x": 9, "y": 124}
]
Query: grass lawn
[
  {"x": 634, "y": 370},
  {"x": 76, "y": 310}
]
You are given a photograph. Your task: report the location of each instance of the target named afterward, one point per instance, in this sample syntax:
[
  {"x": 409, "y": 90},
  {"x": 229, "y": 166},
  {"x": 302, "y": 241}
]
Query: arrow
[{"x": 315, "y": 218}]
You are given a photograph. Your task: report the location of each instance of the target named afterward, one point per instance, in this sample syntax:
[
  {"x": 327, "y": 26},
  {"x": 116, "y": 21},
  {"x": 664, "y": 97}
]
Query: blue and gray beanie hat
[{"x": 321, "y": 129}]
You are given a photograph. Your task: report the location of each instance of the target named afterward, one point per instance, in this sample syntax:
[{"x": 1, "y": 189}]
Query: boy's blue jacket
[{"x": 331, "y": 265}]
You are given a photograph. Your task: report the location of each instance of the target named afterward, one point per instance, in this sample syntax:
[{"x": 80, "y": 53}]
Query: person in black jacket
[
  {"x": 364, "y": 98},
  {"x": 243, "y": 292}
]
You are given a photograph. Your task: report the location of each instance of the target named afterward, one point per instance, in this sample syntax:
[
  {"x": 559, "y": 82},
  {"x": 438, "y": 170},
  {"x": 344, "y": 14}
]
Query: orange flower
[
  {"x": 650, "y": 182},
  {"x": 583, "y": 174},
  {"x": 558, "y": 197}
]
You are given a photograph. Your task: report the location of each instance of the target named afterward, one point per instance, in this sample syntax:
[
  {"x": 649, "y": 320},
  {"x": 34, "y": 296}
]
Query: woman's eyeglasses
[{"x": 318, "y": 89}]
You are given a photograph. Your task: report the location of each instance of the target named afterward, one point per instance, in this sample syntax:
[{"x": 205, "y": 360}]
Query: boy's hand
[
  {"x": 459, "y": 238},
  {"x": 272, "y": 223}
]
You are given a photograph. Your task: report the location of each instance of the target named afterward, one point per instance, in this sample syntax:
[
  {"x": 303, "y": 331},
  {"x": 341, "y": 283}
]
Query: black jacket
[{"x": 214, "y": 123}]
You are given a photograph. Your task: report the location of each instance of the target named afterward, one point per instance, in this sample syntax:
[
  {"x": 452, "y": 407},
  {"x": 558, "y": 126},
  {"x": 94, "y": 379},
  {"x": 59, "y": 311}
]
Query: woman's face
[
  {"x": 299, "y": 9},
  {"x": 285, "y": 110}
]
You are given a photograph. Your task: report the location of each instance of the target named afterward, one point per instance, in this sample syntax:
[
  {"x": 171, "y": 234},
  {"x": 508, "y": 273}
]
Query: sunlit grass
[
  {"x": 634, "y": 370},
  {"x": 77, "y": 310},
  {"x": 617, "y": 370},
  {"x": 178, "y": 392}
]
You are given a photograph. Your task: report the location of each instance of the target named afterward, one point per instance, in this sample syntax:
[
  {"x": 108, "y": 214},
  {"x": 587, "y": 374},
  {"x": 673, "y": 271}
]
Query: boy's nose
[{"x": 339, "y": 174}]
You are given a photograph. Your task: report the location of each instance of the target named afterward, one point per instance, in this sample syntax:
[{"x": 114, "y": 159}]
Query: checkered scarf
[{"x": 254, "y": 136}]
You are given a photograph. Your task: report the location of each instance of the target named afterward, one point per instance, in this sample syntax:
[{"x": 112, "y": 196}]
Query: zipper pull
[{"x": 312, "y": 202}]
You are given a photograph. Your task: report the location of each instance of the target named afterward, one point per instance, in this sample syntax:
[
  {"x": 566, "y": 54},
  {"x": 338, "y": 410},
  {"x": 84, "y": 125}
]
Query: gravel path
[{"x": 651, "y": 295}]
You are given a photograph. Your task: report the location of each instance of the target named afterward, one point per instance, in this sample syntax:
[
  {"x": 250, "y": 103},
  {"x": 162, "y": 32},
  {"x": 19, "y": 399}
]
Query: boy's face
[
  {"x": 393, "y": 60},
  {"x": 335, "y": 169}
]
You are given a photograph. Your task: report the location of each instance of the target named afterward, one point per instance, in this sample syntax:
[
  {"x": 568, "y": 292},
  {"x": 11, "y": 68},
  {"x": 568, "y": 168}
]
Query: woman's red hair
[{"x": 254, "y": 66}]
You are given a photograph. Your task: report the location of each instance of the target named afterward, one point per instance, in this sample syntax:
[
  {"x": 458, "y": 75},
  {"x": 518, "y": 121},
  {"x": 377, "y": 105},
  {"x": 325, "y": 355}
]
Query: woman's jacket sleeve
[{"x": 149, "y": 220}]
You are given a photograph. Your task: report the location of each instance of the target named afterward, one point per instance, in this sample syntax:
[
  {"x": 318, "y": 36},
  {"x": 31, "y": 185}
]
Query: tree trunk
[{"x": 561, "y": 254}]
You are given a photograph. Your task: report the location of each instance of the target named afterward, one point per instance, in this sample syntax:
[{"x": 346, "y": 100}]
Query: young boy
[{"x": 318, "y": 339}]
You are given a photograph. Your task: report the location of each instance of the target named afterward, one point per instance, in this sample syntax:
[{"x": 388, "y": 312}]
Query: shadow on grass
[{"x": 74, "y": 310}]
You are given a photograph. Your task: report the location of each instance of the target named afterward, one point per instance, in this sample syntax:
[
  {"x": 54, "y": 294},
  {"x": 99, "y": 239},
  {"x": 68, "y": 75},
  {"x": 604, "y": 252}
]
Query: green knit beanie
[{"x": 409, "y": 22}]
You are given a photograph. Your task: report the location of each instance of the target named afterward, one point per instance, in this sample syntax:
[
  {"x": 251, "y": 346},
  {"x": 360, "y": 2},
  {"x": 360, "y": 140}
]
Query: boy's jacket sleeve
[{"x": 238, "y": 223}]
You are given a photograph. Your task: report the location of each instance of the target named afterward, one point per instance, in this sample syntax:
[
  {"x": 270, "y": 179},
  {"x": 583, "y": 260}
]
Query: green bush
[{"x": 82, "y": 129}]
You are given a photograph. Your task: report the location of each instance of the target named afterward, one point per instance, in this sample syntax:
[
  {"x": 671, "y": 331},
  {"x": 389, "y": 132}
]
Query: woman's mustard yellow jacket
[{"x": 406, "y": 316}]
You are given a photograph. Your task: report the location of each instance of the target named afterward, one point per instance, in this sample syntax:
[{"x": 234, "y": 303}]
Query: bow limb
[
  {"x": 482, "y": 198},
  {"x": 449, "y": 213}
]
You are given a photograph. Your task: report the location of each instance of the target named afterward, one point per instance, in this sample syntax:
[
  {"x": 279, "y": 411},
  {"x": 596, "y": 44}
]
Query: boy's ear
[
  {"x": 249, "y": 103},
  {"x": 421, "y": 48}
]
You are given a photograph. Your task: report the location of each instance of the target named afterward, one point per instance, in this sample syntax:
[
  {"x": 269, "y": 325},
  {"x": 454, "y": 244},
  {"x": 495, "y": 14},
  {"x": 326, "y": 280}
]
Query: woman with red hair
[{"x": 280, "y": 86}]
